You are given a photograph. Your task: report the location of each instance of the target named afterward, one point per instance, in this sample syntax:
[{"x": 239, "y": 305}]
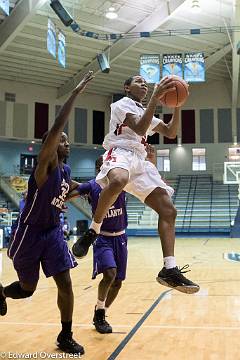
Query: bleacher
[{"x": 204, "y": 206}]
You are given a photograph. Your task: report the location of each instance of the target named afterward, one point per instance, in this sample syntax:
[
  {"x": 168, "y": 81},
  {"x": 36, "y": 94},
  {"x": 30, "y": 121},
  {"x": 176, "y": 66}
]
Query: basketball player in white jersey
[{"x": 125, "y": 168}]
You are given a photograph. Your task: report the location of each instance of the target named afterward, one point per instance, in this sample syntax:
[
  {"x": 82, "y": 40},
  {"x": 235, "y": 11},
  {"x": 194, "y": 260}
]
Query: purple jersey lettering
[
  {"x": 43, "y": 206},
  {"x": 116, "y": 218}
]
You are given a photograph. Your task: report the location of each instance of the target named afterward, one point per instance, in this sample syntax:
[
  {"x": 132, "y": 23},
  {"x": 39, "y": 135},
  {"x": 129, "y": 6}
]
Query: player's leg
[
  {"x": 149, "y": 187},
  {"x": 16, "y": 290},
  {"x": 170, "y": 275},
  {"x": 57, "y": 261},
  {"x": 99, "y": 321},
  {"x": 24, "y": 252},
  {"x": 113, "y": 293},
  {"x": 120, "y": 256},
  {"x": 103, "y": 263},
  {"x": 117, "y": 179},
  {"x": 65, "y": 300}
]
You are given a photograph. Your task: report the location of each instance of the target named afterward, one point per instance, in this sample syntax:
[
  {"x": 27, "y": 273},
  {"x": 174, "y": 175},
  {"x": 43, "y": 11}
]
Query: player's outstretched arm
[
  {"x": 51, "y": 143},
  {"x": 48, "y": 154}
]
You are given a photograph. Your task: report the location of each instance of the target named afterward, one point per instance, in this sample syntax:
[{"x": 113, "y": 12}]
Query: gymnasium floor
[{"x": 149, "y": 321}]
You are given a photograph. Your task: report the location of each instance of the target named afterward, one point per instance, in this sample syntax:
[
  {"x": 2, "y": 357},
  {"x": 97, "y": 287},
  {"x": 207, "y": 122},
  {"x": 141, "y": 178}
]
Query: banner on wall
[
  {"x": 150, "y": 68},
  {"x": 19, "y": 183},
  {"x": 172, "y": 64},
  {"x": 51, "y": 38},
  {"x": 61, "y": 49},
  {"x": 194, "y": 67},
  {"x": 4, "y": 5}
]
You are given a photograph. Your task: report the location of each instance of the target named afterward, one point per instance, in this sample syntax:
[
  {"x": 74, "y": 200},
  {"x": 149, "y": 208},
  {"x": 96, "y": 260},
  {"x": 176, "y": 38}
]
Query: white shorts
[{"x": 143, "y": 175}]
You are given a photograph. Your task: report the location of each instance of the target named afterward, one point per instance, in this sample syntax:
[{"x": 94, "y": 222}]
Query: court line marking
[
  {"x": 127, "y": 338},
  {"x": 90, "y": 326}
]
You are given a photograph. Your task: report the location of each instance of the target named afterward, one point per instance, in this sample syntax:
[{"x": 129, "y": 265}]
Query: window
[
  {"x": 163, "y": 160},
  {"x": 199, "y": 159},
  {"x": 234, "y": 154}
]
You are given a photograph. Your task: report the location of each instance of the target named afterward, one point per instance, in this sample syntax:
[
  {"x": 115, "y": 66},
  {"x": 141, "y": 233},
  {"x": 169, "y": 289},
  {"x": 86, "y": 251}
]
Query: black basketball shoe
[
  {"x": 101, "y": 325},
  {"x": 81, "y": 246},
  {"x": 3, "y": 303},
  {"x": 174, "y": 278},
  {"x": 66, "y": 343}
]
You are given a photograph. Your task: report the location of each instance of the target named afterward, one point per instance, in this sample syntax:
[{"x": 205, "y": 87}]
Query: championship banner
[
  {"x": 150, "y": 68},
  {"x": 194, "y": 67},
  {"x": 172, "y": 65},
  {"x": 51, "y": 38},
  {"x": 61, "y": 49},
  {"x": 4, "y": 5}
]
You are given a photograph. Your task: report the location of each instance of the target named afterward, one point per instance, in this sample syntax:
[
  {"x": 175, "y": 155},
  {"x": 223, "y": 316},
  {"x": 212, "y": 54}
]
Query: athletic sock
[
  {"x": 66, "y": 327},
  {"x": 100, "y": 304},
  {"x": 169, "y": 262},
  {"x": 95, "y": 226}
]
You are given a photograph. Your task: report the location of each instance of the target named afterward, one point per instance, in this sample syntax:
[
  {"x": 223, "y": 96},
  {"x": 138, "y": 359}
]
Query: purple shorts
[
  {"x": 31, "y": 246},
  {"x": 110, "y": 252}
]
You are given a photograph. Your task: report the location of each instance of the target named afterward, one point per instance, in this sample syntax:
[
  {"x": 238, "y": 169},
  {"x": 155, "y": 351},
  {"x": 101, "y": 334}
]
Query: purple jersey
[
  {"x": 44, "y": 205},
  {"x": 116, "y": 218}
]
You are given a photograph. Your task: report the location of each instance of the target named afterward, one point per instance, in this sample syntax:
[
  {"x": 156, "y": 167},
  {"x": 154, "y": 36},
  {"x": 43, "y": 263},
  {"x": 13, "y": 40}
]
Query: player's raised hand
[
  {"x": 83, "y": 83},
  {"x": 166, "y": 84}
]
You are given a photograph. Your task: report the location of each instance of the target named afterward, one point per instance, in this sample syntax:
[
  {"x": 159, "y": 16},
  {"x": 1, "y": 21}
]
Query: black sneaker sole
[
  {"x": 186, "y": 289},
  {"x": 66, "y": 350},
  {"x": 103, "y": 332}
]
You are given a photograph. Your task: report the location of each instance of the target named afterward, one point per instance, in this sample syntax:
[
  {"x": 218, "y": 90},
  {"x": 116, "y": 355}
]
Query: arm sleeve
[{"x": 84, "y": 189}]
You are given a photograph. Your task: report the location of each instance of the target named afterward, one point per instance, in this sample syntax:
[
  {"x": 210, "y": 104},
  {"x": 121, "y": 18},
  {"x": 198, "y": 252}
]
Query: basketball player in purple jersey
[
  {"x": 124, "y": 168},
  {"x": 38, "y": 237},
  {"x": 110, "y": 247}
]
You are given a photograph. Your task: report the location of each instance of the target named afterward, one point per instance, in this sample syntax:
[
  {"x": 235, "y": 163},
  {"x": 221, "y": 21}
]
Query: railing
[{"x": 7, "y": 219}]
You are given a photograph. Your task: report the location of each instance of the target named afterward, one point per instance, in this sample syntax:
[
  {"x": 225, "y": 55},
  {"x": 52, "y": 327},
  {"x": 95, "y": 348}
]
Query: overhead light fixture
[
  {"x": 111, "y": 13},
  {"x": 195, "y": 7},
  {"x": 61, "y": 12}
]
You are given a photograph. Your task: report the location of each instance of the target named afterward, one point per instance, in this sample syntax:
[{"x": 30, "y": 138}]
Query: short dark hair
[{"x": 128, "y": 81}]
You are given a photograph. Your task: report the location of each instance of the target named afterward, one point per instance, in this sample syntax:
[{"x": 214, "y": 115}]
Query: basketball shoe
[
  {"x": 3, "y": 303},
  {"x": 101, "y": 325},
  {"x": 174, "y": 279},
  {"x": 66, "y": 343},
  {"x": 81, "y": 246}
]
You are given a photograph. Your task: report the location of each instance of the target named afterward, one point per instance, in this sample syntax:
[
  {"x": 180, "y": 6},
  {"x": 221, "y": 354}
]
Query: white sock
[
  {"x": 95, "y": 226},
  {"x": 106, "y": 309},
  {"x": 169, "y": 262},
  {"x": 100, "y": 304}
]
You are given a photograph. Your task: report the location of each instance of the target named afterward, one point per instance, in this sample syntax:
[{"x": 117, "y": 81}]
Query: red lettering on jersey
[
  {"x": 110, "y": 157},
  {"x": 118, "y": 130}
]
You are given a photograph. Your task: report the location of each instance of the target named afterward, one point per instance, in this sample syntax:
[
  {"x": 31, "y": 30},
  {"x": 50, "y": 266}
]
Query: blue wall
[
  {"x": 81, "y": 161},
  {"x": 73, "y": 214},
  {"x": 10, "y": 156}
]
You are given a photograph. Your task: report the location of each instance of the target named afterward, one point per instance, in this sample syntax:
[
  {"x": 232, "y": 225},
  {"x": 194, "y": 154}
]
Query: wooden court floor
[{"x": 149, "y": 321}]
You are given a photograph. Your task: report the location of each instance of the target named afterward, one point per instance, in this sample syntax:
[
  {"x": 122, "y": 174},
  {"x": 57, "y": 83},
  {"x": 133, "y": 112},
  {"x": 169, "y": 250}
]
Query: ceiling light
[
  {"x": 195, "y": 7},
  {"x": 111, "y": 13}
]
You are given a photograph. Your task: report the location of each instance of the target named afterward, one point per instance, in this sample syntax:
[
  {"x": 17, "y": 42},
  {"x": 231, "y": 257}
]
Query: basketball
[{"x": 178, "y": 96}]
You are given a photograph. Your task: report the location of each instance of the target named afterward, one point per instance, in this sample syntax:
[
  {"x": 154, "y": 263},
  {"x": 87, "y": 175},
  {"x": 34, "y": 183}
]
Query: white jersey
[{"x": 120, "y": 135}]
